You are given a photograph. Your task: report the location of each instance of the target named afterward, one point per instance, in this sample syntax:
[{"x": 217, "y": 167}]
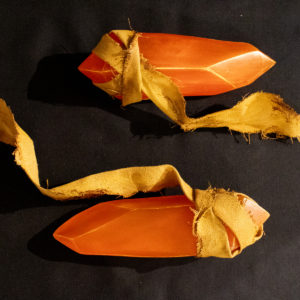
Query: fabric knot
[{"x": 215, "y": 209}]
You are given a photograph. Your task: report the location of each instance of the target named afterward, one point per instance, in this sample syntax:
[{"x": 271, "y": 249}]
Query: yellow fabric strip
[
  {"x": 260, "y": 112},
  {"x": 111, "y": 87},
  {"x": 112, "y": 51},
  {"x": 213, "y": 239},
  {"x": 217, "y": 207},
  {"x": 213, "y": 207},
  {"x": 132, "y": 77},
  {"x": 243, "y": 226}
]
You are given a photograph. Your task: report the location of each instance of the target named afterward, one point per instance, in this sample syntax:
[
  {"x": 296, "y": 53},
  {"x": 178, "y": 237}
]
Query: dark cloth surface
[{"x": 79, "y": 130}]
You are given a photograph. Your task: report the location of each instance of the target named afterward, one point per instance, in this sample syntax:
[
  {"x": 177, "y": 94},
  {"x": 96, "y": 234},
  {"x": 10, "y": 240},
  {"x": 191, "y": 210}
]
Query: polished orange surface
[
  {"x": 198, "y": 66},
  {"x": 146, "y": 227}
]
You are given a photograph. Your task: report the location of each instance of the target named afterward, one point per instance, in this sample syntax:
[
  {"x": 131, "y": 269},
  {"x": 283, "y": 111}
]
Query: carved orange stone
[
  {"x": 198, "y": 66},
  {"x": 146, "y": 227}
]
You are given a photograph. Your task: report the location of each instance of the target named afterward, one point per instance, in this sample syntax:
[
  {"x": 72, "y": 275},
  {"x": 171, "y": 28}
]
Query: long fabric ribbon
[
  {"x": 214, "y": 207},
  {"x": 260, "y": 112}
]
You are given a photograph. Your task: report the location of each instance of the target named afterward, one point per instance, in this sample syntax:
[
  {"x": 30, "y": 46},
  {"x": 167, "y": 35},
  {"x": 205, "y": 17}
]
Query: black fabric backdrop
[{"x": 79, "y": 130}]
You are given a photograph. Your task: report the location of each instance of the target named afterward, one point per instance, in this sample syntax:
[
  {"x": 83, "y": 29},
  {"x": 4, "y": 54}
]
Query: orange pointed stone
[
  {"x": 146, "y": 227},
  {"x": 198, "y": 66}
]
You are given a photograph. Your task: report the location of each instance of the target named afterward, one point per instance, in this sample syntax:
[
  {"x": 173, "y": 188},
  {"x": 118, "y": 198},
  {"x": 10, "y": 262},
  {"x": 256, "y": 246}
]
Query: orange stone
[
  {"x": 146, "y": 227},
  {"x": 198, "y": 66}
]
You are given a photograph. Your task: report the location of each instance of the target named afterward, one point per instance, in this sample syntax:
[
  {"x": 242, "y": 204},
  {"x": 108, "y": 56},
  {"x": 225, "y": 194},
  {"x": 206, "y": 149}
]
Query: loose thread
[{"x": 129, "y": 24}]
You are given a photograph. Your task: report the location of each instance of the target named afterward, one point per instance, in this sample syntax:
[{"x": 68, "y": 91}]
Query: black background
[{"x": 79, "y": 130}]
